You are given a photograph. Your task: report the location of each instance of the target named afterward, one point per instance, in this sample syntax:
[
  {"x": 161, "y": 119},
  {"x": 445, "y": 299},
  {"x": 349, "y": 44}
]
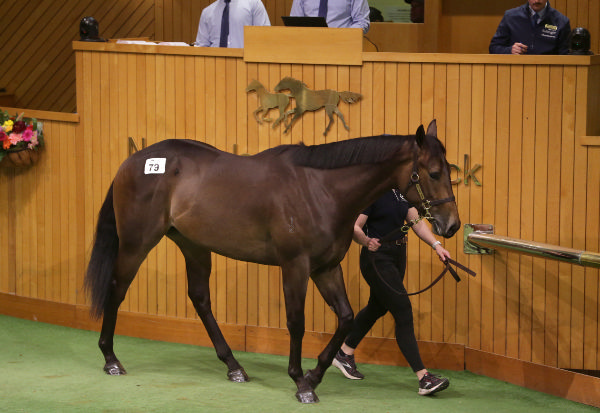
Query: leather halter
[{"x": 425, "y": 203}]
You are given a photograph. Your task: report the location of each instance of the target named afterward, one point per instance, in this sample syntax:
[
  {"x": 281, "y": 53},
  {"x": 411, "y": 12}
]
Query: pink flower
[
  {"x": 27, "y": 134},
  {"x": 15, "y": 138},
  {"x": 34, "y": 139},
  {"x": 3, "y": 135}
]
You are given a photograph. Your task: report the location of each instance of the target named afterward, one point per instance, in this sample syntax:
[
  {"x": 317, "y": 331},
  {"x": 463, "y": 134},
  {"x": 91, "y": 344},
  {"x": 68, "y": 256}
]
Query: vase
[{"x": 20, "y": 159}]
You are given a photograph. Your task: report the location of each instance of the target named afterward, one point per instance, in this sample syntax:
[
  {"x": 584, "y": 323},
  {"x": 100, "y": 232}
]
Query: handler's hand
[
  {"x": 373, "y": 244},
  {"x": 442, "y": 252}
]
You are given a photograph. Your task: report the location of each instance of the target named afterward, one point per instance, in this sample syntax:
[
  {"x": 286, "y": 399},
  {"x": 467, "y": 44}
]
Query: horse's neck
[
  {"x": 361, "y": 185},
  {"x": 297, "y": 90}
]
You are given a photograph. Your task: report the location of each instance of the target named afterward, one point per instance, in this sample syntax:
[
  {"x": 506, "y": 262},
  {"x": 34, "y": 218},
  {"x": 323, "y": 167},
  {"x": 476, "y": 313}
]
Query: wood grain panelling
[
  {"x": 519, "y": 121},
  {"x": 40, "y": 231},
  {"x": 38, "y": 65}
]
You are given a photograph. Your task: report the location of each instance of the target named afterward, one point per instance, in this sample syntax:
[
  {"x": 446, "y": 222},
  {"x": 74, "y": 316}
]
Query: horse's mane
[{"x": 333, "y": 155}]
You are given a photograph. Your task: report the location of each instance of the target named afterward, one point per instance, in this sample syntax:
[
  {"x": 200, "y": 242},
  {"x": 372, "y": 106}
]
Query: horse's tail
[
  {"x": 102, "y": 261},
  {"x": 350, "y": 97}
]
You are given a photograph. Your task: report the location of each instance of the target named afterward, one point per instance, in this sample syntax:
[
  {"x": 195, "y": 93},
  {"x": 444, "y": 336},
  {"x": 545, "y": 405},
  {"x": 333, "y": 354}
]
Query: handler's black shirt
[{"x": 385, "y": 215}]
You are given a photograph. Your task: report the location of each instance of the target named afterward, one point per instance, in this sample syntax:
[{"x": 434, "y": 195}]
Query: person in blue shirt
[
  {"x": 340, "y": 13},
  {"x": 241, "y": 13},
  {"x": 533, "y": 28}
]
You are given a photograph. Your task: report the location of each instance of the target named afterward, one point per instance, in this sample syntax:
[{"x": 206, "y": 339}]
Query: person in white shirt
[{"x": 239, "y": 13}]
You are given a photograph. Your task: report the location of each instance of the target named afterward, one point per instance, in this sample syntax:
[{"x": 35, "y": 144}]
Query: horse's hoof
[
  {"x": 238, "y": 376},
  {"x": 114, "y": 369},
  {"x": 307, "y": 397}
]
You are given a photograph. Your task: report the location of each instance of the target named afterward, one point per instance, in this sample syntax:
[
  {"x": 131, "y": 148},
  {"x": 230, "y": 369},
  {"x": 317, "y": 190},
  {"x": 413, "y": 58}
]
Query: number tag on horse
[{"x": 155, "y": 166}]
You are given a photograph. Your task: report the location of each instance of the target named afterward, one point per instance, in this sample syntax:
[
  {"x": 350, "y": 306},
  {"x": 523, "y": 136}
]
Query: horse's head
[
  {"x": 430, "y": 188},
  {"x": 254, "y": 85}
]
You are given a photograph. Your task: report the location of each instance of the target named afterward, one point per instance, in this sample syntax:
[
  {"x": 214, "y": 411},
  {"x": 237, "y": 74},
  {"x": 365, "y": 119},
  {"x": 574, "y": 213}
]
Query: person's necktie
[
  {"x": 323, "y": 8},
  {"x": 225, "y": 25},
  {"x": 534, "y": 20}
]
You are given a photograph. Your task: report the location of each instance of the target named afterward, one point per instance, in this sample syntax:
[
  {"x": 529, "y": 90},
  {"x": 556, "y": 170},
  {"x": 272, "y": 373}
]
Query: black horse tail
[{"x": 100, "y": 269}]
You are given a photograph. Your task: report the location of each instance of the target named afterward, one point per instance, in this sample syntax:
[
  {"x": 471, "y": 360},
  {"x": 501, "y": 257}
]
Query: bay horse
[
  {"x": 268, "y": 101},
  {"x": 310, "y": 100},
  {"x": 292, "y": 206}
]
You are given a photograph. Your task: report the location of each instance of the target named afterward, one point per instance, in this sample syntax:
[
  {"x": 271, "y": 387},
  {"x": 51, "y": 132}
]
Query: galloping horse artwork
[
  {"x": 291, "y": 206},
  {"x": 311, "y": 100},
  {"x": 268, "y": 101}
]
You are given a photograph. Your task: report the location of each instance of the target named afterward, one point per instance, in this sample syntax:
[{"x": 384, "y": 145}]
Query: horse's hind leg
[
  {"x": 198, "y": 266},
  {"x": 126, "y": 267},
  {"x": 341, "y": 116},
  {"x": 282, "y": 116}
]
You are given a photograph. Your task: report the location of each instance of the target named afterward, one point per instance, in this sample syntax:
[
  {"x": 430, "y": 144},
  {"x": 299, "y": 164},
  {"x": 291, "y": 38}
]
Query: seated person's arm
[
  {"x": 500, "y": 43},
  {"x": 563, "y": 40},
  {"x": 360, "y": 15},
  {"x": 260, "y": 16},
  {"x": 203, "y": 38}
]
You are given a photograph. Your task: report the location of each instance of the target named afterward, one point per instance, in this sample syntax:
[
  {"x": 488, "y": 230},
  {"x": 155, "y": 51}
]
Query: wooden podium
[{"x": 304, "y": 45}]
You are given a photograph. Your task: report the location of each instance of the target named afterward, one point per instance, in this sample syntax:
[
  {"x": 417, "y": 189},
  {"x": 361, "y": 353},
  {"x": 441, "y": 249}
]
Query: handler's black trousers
[{"x": 390, "y": 261}]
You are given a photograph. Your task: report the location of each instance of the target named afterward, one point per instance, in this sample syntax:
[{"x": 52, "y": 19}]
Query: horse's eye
[{"x": 435, "y": 175}]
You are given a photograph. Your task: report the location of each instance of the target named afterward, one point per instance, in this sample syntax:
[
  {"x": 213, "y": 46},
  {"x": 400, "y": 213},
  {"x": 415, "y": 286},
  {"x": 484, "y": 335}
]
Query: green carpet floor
[{"x": 48, "y": 368}]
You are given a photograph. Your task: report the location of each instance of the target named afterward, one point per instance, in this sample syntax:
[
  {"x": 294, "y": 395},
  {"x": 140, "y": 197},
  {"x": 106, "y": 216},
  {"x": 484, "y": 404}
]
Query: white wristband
[{"x": 435, "y": 244}]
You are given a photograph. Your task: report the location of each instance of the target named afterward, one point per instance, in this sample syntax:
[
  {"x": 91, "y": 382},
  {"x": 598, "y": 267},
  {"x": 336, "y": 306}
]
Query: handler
[{"x": 382, "y": 265}]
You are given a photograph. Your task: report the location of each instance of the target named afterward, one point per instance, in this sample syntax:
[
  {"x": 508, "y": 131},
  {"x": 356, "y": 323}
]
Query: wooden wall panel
[
  {"x": 39, "y": 66},
  {"x": 37, "y": 35},
  {"x": 519, "y": 121}
]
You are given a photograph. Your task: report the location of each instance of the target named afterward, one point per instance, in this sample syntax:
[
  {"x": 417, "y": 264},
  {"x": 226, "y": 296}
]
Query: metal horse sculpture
[
  {"x": 269, "y": 101},
  {"x": 307, "y": 99},
  {"x": 292, "y": 206}
]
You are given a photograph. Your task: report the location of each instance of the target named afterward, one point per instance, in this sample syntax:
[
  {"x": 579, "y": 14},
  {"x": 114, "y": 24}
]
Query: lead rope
[{"x": 446, "y": 269}]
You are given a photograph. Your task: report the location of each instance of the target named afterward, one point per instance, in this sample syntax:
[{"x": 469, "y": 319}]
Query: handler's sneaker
[
  {"x": 346, "y": 364},
  {"x": 431, "y": 383}
]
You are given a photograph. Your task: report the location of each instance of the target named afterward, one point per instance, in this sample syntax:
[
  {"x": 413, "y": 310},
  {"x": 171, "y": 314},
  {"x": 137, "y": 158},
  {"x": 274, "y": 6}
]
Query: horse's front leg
[
  {"x": 331, "y": 286},
  {"x": 297, "y": 113},
  {"x": 256, "y": 112},
  {"x": 295, "y": 281}
]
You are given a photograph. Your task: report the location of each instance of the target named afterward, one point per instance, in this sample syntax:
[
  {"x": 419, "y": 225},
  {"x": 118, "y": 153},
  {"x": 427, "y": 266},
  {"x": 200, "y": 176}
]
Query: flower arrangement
[{"x": 18, "y": 133}]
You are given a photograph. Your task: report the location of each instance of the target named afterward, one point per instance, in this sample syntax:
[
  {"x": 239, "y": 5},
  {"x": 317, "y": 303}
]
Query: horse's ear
[
  {"x": 432, "y": 129},
  {"x": 420, "y": 136}
]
